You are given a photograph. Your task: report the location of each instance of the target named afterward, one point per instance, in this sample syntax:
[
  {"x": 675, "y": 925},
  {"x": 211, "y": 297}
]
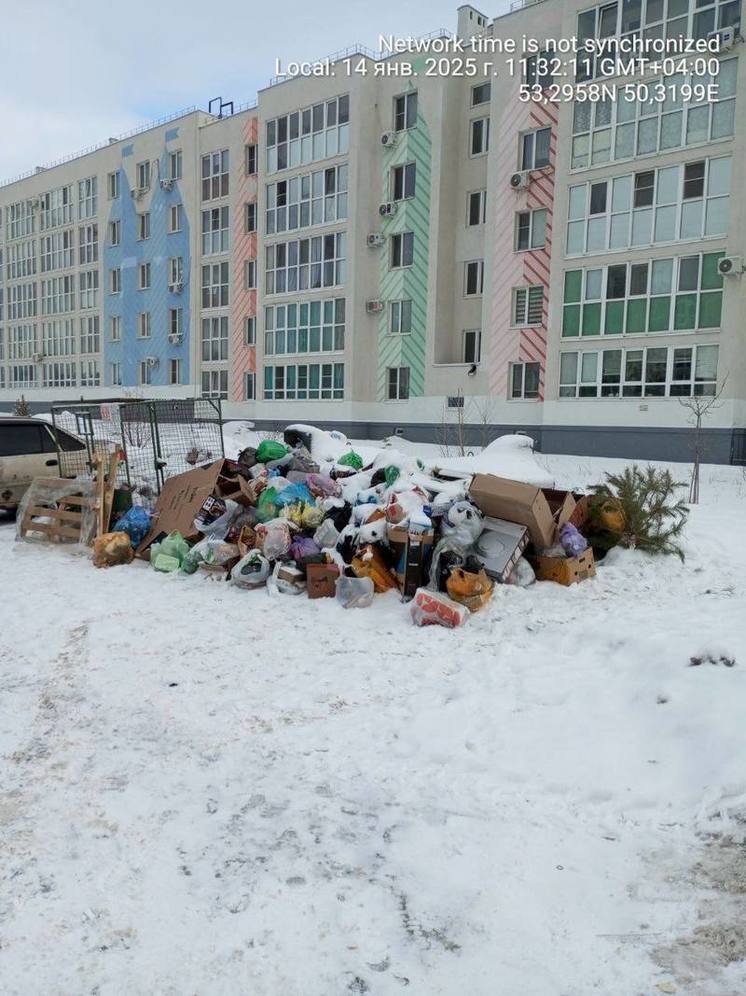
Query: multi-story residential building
[{"x": 414, "y": 237}]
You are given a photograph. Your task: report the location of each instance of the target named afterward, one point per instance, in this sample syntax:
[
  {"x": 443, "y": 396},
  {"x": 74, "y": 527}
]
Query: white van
[{"x": 28, "y": 450}]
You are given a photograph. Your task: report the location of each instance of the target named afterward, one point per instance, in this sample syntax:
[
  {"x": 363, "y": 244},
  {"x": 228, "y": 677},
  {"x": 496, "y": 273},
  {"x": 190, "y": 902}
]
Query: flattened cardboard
[
  {"x": 180, "y": 500},
  {"x": 500, "y": 545},
  {"x": 566, "y": 570},
  {"x": 541, "y": 510}
]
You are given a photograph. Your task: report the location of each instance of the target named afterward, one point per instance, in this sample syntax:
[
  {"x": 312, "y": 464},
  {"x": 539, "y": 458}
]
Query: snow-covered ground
[{"x": 213, "y": 791}]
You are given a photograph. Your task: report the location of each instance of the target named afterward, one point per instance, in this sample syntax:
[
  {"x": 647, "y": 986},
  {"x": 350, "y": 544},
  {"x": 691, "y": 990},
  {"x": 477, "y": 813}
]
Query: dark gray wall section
[{"x": 727, "y": 446}]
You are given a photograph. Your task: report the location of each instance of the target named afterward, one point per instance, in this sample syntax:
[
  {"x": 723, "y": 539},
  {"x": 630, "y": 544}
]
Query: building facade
[{"x": 460, "y": 231}]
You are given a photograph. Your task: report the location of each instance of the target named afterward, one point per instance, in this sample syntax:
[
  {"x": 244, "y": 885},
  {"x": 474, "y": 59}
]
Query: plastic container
[{"x": 354, "y": 593}]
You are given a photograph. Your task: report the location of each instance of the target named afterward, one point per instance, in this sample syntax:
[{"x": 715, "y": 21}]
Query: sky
[{"x": 74, "y": 72}]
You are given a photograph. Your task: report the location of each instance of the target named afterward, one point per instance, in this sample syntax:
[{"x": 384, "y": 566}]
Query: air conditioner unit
[
  {"x": 374, "y": 240},
  {"x": 175, "y": 338},
  {"x": 152, "y": 361},
  {"x": 166, "y": 183},
  {"x": 519, "y": 181},
  {"x": 387, "y": 209},
  {"x": 374, "y": 307},
  {"x": 726, "y": 36},
  {"x": 388, "y": 138},
  {"x": 176, "y": 288},
  {"x": 731, "y": 266}
]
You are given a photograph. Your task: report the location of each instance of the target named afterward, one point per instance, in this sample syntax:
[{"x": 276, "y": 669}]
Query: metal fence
[{"x": 155, "y": 439}]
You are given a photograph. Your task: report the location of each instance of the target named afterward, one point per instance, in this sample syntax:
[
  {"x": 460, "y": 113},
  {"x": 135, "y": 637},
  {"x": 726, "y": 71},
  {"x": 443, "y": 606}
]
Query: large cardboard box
[
  {"x": 180, "y": 500},
  {"x": 566, "y": 570},
  {"x": 526, "y": 504},
  {"x": 499, "y": 546}
]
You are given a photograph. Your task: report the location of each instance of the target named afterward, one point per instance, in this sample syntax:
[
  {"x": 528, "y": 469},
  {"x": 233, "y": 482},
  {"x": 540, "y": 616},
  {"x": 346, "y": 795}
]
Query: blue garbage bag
[{"x": 136, "y": 523}]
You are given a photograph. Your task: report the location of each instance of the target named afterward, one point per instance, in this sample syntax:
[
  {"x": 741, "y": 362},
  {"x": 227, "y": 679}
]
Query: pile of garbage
[{"x": 300, "y": 517}]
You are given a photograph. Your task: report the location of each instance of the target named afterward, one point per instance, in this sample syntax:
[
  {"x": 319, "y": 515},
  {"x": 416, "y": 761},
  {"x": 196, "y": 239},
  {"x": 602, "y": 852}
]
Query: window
[
  {"x": 528, "y": 305},
  {"x": 21, "y": 260},
  {"x": 524, "y": 380},
  {"x": 669, "y": 204},
  {"x": 176, "y": 321},
  {"x": 251, "y": 159},
  {"x": 307, "y": 327},
  {"x": 21, "y": 342},
  {"x": 539, "y": 69},
  {"x": 402, "y": 249},
  {"x": 144, "y": 372},
  {"x": 214, "y": 383},
  {"x": 87, "y": 197},
  {"x": 249, "y": 386},
  {"x": 604, "y": 131},
  {"x": 175, "y": 171},
  {"x": 115, "y": 281},
  {"x": 214, "y": 339},
  {"x": 174, "y": 218},
  {"x": 22, "y": 300},
  {"x": 143, "y": 226},
  {"x": 472, "y": 345},
  {"x": 403, "y": 179},
  {"x": 20, "y": 218},
  {"x": 312, "y": 199},
  {"x": 115, "y": 233},
  {"x": 249, "y": 330},
  {"x": 308, "y": 135},
  {"x": 57, "y": 251},
  {"x": 144, "y": 276},
  {"x": 89, "y": 374},
  {"x": 57, "y": 295},
  {"x": 215, "y": 231},
  {"x": 535, "y": 148},
  {"x": 116, "y": 374},
  {"x": 400, "y": 317},
  {"x": 311, "y": 381},
  {"x": 304, "y": 264},
  {"x": 112, "y": 185},
  {"x": 175, "y": 273},
  {"x": 405, "y": 111},
  {"x": 88, "y": 283},
  {"x": 174, "y": 371},
  {"x": 479, "y": 142},
  {"x": 652, "y": 372},
  {"x": 215, "y": 285},
  {"x": 90, "y": 335},
  {"x": 143, "y": 175},
  {"x": 55, "y": 208},
  {"x": 481, "y": 93},
  {"x": 398, "y": 383},
  {"x": 143, "y": 326},
  {"x": 473, "y": 278},
  {"x": 58, "y": 338},
  {"x": 662, "y": 295},
  {"x": 59, "y": 375},
  {"x": 250, "y": 216},
  {"x": 215, "y": 175},
  {"x": 249, "y": 274},
  {"x": 476, "y": 208},
  {"x": 531, "y": 229},
  {"x": 115, "y": 328}
]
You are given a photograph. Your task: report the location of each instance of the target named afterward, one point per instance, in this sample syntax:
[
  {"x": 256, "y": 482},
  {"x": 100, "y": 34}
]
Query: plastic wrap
[
  {"x": 354, "y": 593},
  {"x": 51, "y": 493}
]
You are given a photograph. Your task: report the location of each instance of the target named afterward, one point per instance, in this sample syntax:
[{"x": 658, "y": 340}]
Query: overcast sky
[{"x": 74, "y": 72}]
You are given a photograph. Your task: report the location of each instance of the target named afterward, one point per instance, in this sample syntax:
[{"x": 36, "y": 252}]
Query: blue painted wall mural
[{"x": 158, "y": 299}]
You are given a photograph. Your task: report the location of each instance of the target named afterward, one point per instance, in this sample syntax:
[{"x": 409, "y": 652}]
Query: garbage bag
[
  {"x": 266, "y": 508},
  {"x": 303, "y": 461},
  {"x": 174, "y": 545},
  {"x": 311, "y": 516},
  {"x": 302, "y": 547},
  {"x": 273, "y": 538},
  {"x": 351, "y": 459},
  {"x": 209, "y": 523},
  {"x": 294, "y": 493},
  {"x": 462, "y": 523},
  {"x": 470, "y": 588},
  {"x": 135, "y": 523},
  {"x": 430, "y": 608},
  {"x": 326, "y": 535},
  {"x": 251, "y": 571},
  {"x": 112, "y": 548},
  {"x": 269, "y": 450},
  {"x": 573, "y": 542},
  {"x": 168, "y": 565},
  {"x": 354, "y": 593},
  {"x": 321, "y": 485},
  {"x": 522, "y": 574}
]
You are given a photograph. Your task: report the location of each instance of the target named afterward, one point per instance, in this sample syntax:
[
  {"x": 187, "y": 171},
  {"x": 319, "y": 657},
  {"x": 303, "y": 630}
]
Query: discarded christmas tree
[
  {"x": 639, "y": 508},
  {"x": 22, "y": 408}
]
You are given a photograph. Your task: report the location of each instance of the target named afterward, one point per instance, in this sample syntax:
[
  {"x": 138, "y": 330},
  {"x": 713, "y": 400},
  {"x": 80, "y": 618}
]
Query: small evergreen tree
[
  {"x": 22, "y": 408},
  {"x": 638, "y": 508}
]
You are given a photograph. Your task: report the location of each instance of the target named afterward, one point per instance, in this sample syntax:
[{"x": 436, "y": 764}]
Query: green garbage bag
[
  {"x": 390, "y": 475},
  {"x": 165, "y": 563},
  {"x": 269, "y": 450},
  {"x": 174, "y": 545},
  {"x": 266, "y": 508},
  {"x": 351, "y": 459}
]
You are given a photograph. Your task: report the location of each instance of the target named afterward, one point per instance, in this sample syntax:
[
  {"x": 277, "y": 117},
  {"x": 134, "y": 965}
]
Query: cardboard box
[
  {"x": 500, "y": 545},
  {"x": 369, "y": 563},
  {"x": 180, "y": 500},
  {"x": 581, "y": 513},
  {"x": 565, "y": 570},
  {"x": 541, "y": 510},
  {"x": 320, "y": 580},
  {"x": 419, "y": 556}
]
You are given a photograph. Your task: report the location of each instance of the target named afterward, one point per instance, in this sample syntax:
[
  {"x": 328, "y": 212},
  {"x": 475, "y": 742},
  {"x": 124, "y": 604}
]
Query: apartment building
[{"x": 405, "y": 241}]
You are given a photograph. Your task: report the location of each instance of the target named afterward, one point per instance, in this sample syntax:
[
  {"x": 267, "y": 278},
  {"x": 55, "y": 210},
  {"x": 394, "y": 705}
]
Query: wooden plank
[
  {"x": 78, "y": 500},
  {"x": 54, "y": 513},
  {"x": 51, "y": 529}
]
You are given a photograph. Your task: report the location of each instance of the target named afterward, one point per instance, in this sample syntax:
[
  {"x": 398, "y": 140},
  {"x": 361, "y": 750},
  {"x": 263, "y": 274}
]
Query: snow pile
[{"x": 509, "y": 456}]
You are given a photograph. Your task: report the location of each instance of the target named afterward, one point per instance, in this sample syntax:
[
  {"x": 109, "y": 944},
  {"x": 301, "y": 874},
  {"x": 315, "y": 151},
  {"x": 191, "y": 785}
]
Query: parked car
[{"x": 28, "y": 450}]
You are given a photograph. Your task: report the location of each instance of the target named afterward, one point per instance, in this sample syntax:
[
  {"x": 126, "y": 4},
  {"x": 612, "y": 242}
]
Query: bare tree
[
  {"x": 699, "y": 407},
  {"x": 453, "y": 433},
  {"x": 484, "y": 409}
]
